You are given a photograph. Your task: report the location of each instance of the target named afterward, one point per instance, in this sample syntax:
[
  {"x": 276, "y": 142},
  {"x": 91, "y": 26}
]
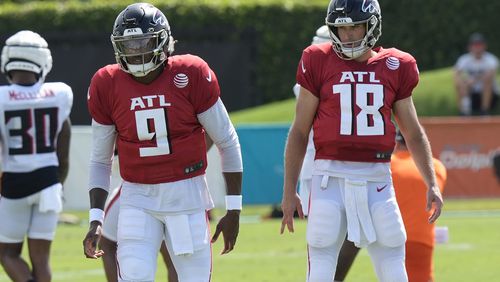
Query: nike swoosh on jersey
[
  {"x": 303, "y": 68},
  {"x": 209, "y": 78},
  {"x": 382, "y": 188}
]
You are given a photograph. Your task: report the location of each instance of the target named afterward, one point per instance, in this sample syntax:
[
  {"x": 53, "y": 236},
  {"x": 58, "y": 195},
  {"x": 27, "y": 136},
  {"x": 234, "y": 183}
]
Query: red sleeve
[
  {"x": 305, "y": 75},
  {"x": 206, "y": 91},
  {"x": 97, "y": 98},
  {"x": 408, "y": 78}
]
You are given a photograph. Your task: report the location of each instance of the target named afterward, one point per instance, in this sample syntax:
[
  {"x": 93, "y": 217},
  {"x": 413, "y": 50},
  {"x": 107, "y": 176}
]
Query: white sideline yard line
[
  {"x": 457, "y": 246},
  {"x": 260, "y": 255},
  {"x": 472, "y": 213},
  {"x": 59, "y": 275}
]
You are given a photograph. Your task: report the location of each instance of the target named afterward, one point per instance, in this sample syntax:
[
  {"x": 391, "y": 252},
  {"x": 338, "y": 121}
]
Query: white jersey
[
  {"x": 31, "y": 118},
  {"x": 474, "y": 68}
]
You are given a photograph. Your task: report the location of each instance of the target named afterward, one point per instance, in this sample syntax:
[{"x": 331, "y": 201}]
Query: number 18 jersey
[
  {"x": 31, "y": 118},
  {"x": 353, "y": 119}
]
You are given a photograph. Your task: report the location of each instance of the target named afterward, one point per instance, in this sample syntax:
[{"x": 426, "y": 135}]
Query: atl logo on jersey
[
  {"x": 359, "y": 76},
  {"x": 149, "y": 101}
]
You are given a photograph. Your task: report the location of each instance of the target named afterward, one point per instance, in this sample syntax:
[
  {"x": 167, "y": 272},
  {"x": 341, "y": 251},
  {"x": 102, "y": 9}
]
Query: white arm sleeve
[
  {"x": 101, "y": 157},
  {"x": 220, "y": 129}
]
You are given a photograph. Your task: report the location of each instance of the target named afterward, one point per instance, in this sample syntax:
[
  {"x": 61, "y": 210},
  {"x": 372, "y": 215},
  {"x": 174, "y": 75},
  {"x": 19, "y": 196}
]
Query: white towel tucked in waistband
[
  {"x": 180, "y": 234},
  {"x": 360, "y": 228},
  {"x": 51, "y": 199}
]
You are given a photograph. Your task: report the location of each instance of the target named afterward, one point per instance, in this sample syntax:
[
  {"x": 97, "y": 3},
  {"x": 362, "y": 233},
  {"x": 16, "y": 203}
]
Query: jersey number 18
[{"x": 370, "y": 99}]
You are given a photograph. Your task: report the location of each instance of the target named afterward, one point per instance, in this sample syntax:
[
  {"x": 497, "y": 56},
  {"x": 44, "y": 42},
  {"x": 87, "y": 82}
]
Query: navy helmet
[
  {"x": 141, "y": 38},
  {"x": 351, "y": 12}
]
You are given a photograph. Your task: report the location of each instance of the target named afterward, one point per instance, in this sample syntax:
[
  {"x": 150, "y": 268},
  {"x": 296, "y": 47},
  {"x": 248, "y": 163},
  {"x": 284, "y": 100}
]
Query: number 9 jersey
[
  {"x": 31, "y": 118},
  {"x": 159, "y": 137},
  {"x": 353, "y": 118}
]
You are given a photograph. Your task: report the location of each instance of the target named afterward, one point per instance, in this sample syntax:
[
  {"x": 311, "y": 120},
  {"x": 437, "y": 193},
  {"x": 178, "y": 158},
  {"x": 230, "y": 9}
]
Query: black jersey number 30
[{"x": 31, "y": 130}]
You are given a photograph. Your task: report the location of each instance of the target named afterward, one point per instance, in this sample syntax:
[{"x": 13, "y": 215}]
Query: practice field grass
[{"x": 261, "y": 254}]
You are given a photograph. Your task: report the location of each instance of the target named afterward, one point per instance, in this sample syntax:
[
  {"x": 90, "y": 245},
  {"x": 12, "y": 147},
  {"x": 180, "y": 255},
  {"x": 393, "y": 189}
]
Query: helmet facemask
[
  {"x": 139, "y": 54},
  {"x": 354, "y": 49}
]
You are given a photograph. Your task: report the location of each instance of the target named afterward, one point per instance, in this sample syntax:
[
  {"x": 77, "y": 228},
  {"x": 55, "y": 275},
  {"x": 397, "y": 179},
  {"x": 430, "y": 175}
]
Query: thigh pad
[
  {"x": 388, "y": 223},
  {"x": 324, "y": 223}
]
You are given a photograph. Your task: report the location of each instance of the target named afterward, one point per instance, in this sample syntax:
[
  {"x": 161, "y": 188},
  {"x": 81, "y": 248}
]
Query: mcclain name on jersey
[{"x": 30, "y": 95}]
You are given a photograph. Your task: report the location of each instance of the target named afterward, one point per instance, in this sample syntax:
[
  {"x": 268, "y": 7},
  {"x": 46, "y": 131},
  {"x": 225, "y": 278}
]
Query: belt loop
[{"x": 324, "y": 182}]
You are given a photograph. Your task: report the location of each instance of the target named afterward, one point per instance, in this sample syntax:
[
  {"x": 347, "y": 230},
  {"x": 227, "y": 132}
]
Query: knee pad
[
  {"x": 324, "y": 223},
  {"x": 322, "y": 262},
  {"x": 393, "y": 270},
  {"x": 138, "y": 245},
  {"x": 132, "y": 268},
  {"x": 135, "y": 264},
  {"x": 321, "y": 272},
  {"x": 388, "y": 223},
  {"x": 195, "y": 267}
]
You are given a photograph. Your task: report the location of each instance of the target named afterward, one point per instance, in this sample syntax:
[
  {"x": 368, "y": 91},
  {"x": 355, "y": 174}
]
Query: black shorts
[
  {"x": 476, "y": 101},
  {"x": 16, "y": 185}
]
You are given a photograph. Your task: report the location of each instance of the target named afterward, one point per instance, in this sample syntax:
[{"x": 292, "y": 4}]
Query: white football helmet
[
  {"x": 26, "y": 51},
  {"x": 322, "y": 35}
]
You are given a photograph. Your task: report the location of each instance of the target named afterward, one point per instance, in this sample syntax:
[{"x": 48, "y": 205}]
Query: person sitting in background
[
  {"x": 475, "y": 82},
  {"x": 411, "y": 197}
]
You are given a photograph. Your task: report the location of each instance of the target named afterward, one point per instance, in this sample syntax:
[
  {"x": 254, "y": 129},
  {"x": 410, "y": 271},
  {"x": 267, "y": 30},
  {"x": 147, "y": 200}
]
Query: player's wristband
[
  {"x": 96, "y": 215},
  {"x": 234, "y": 202}
]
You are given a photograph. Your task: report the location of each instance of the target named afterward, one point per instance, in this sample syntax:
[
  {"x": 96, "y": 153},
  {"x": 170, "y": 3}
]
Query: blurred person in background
[
  {"x": 157, "y": 107},
  {"x": 411, "y": 196},
  {"x": 475, "y": 78},
  {"x": 349, "y": 89},
  {"x": 35, "y": 136},
  {"x": 496, "y": 166}
]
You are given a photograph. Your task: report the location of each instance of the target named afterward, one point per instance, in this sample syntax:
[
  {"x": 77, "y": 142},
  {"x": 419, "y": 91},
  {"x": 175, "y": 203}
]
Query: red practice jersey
[
  {"x": 159, "y": 136},
  {"x": 353, "y": 119}
]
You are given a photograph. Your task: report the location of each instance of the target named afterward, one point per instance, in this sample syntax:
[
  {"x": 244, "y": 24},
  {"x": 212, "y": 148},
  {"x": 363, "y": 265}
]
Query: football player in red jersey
[
  {"x": 157, "y": 107},
  {"x": 349, "y": 89}
]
